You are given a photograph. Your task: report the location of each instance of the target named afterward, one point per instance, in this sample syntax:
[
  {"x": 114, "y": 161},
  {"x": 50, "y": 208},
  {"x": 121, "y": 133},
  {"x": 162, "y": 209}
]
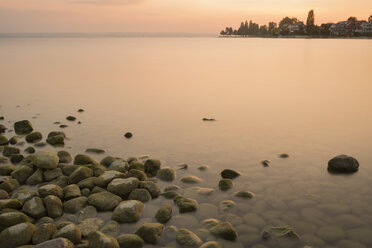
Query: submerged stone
[
  {"x": 224, "y": 230},
  {"x": 187, "y": 238}
]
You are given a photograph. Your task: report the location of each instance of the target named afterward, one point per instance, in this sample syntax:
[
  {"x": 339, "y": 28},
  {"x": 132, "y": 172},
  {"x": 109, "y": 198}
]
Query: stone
[
  {"x": 209, "y": 223},
  {"x": 99, "y": 239},
  {"x": 152, "y": 166},
  {"x": 6, "y": 169},
  {"x": 34, "y": 208},
  {"x": 88, "y": 183},
  {"x": 3, "y": 140},
  {"x": 265, "y": 163},
  {"x": 56, "y": 243},
  {"x": 140, "y": 194},
  {"x": 128, "y": 211},
  {"x": 283, "y": 155},
  {"x": 137, "y": 174},
  {"x": 212, "y": 244},
  {"x": 182, "y": 167},
  {"x": 111, "y": 228},
  {"x": 123, "y": 186},
  {"x": 22, "y": 173},
  {"x": 61, "y": 181},
  {"x": 13, "y": 140},
  {"x": 343, "y": 164},
  {"x": 362, "y": 234},
  {"x": 90, "y": 225},
  {"x": 230, "y": 174},
  {"x": 107, "y": 161},
  {"x": 95, "y": 150},
  {"x": 75, "y": 204},
  {"x": 16, "y": 158},
  {"x": 3, "y": 194},
  {"x": 35, "y": 178},
  {"x": 130, "y": 240},
  {"x": 150, "y": 232},
  {"x": 64, "y": 157},
  {"x": 203, "y": 167},
  {"x": 79, "y": 174},
  {"x": 170, "y": 194},
  {"x": 39, "y": 144},
  {"x": 224, "y": 230},
  {"x": 128, "y": 135},
  {"x": 164, "y": 213},
  {"x": 12, "y": 218},
  {"x": 9, "y": 185},
  {"x": 70, "y": 232},
  {"x": 54, "y": 206},
  {"x": 24, "y": 195},
  {"x": 225, "y": 184},
  {"x": 34, "y": 137},
  {"x": 136, "y": 165},
  {"x": 119, "y": 165},
  {"x": 8, "y": 151},
  {"x": 80, "y": 110},
  {"x": 244, "y": 194},
  {"x": 166, "y": 174},
  {"x": 71, "y": 191},
  {"x": 17, "y": 235},
  {"x": 82, "y": 159},
  {"x": 104, "y": 201},
  {"x": 23, "y": 127},
  {"x": 186, "y": 204},
  {"x": 108, "y": 176},
  {"x": 44, "y": 233},
  {"x": 30, "y": 150},
  {"x": 191, "y": 179},
  {"x": 50, "y": 175},
  {"x": 186, "y": 238},
  {"x": 87, "y": 212},
  {"x": 71, "y": 118},
  {"x": 50, "y": 189},
  {"x": 151, "y": 187},
  {"x": 45, "y": 160},
  {"x": 57, "y": 140}
]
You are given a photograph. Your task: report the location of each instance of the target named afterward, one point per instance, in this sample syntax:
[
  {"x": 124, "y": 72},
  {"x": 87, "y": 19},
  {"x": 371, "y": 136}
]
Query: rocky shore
[{"x": 57, "y": 199}]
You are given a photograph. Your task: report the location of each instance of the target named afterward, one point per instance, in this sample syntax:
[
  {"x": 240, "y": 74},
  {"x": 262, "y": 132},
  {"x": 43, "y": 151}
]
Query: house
[
  {"x": 297, "y": 27},
  {"x": 338, "y": 29},
  {"x": 366, "y": 28}
]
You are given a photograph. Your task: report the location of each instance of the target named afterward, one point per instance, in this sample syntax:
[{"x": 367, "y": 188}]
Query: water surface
[{"x": 309, "y": 98}]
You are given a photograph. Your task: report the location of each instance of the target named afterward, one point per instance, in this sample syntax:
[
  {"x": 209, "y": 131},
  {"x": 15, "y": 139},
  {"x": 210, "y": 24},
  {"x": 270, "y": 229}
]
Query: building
[
  {"x": 366, "y": 28},
  {"x": 297, "y": 27},
  {"x": 338, "y": 29}
]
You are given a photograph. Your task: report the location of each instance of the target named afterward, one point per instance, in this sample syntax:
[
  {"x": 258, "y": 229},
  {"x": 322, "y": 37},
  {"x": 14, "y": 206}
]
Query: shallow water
[{"x": 308, "y": 98}]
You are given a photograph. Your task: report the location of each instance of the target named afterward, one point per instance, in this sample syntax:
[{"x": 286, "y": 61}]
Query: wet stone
[
  {"x": 150, "y": 232},
  {"x": 130, "y": 240},
  {"x": 104, "y": 201},
  {"x": 230, "y": 174}
]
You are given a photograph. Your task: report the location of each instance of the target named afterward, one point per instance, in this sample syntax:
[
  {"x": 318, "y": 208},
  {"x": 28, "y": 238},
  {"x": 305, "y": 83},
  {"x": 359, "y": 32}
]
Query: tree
[
  {"x": 370, "y": 18},
  {"x": 352, "y": 19},
  {"x": 324, "y": 29},
  {"x": 272, "y": 25},
  {"x": 263, "y": 30},
  {"x": 222, "y": 32},
  {"x": 253, "y": 28},
  {"x": 310, "y": 22},
  {"x": 287, "y": 21}
]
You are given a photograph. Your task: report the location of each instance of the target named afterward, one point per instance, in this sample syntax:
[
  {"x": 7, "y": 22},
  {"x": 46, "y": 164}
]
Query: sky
[{"x": 182, "y": 16}]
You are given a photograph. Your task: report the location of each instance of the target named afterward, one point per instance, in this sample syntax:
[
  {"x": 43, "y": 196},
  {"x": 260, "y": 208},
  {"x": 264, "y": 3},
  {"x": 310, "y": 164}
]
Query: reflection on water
[{"x": 308, "y": 98}]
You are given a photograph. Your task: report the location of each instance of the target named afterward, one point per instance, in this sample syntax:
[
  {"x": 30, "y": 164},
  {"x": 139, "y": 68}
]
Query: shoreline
[{"x": 295, "y": 37}]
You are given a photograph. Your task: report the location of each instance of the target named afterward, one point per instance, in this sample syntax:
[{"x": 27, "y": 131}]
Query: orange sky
[{"x": 197, "y": 16}]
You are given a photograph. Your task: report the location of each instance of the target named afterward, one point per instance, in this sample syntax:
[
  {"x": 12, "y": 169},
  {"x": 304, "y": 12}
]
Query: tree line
[{"x": 287, "y": 26}]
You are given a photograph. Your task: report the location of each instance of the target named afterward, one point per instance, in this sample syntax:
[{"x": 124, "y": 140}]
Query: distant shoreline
[{"x": 294, "y": 37}]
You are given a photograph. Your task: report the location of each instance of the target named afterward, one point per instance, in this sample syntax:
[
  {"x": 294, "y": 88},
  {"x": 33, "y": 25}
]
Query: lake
[{"x": 309, "y": 98}]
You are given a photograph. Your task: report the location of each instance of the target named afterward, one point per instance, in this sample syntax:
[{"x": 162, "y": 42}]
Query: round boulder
[
  {"x": 45, "y": 160},
  {"x": 128, "y": 211},
  {"x": 343, "y": 164}
]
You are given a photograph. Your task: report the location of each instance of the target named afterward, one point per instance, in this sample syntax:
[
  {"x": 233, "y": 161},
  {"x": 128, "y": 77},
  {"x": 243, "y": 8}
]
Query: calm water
[{"x": 308, "y": 98}]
